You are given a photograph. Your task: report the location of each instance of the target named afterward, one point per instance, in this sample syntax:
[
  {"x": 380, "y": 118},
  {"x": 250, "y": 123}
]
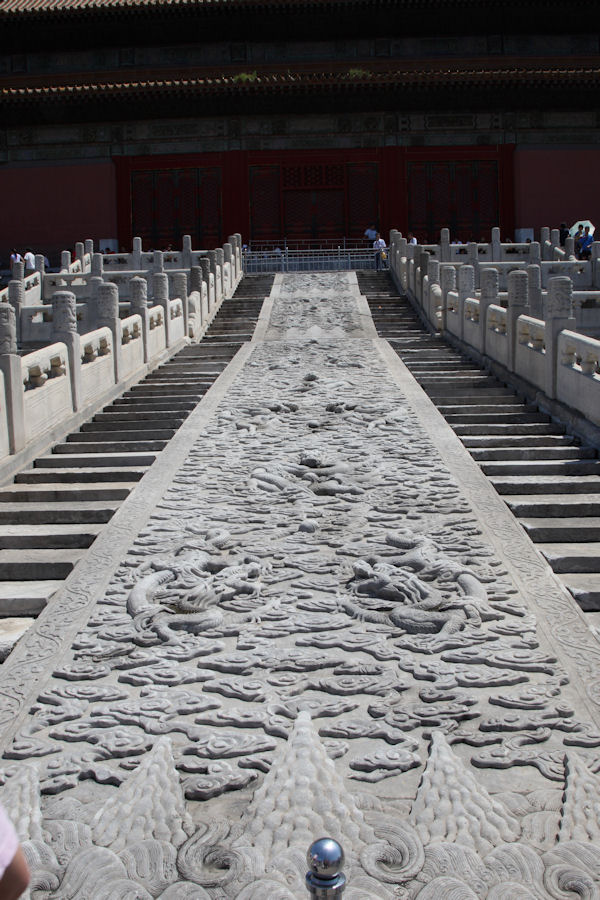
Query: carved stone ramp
[
  {"x": 547, "y": 478},
  {"x": 313, "y": 615},
  {"x": 55, "y": 509}
]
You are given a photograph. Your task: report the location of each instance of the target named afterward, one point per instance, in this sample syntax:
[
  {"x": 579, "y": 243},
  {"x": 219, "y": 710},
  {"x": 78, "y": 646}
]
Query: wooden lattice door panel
[
  {"x": 166, "y": 204},
  {"x": 363, "y": 197},
  {"x": 462, "y": 195},
  {"x": 265, "y": 205}
]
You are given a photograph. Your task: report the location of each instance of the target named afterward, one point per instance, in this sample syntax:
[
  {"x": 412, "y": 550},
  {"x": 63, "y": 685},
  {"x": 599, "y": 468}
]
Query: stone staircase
[
  {"x": 55, "y": 509},
  {"x": 547, "y": 478}
]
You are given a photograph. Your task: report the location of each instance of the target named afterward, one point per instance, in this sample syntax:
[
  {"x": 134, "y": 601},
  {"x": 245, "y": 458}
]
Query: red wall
[
  {"x": 50, "y": 207},
  {"x": 556, "y": 185}
]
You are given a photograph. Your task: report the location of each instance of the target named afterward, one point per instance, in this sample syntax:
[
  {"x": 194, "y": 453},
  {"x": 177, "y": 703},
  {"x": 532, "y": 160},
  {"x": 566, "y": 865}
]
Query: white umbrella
[{"x": 575, "y": 228}]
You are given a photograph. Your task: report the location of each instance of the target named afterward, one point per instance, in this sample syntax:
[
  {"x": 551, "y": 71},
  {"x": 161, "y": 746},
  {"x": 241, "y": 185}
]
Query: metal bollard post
[{"x": 325, "y": 859}]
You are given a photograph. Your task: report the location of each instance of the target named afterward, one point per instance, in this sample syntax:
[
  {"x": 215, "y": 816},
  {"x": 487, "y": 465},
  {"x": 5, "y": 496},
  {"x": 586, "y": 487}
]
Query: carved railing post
[
  {"x": 107, "y": 316},
  {"x": 558, "y": 314},
  {"x": 64, "y": 331},
  {"x": 221, "y": 270},
  {"x": 228, "y": 258},
  {"x": 433, "y": 278},
  {"x": 496, "y": 245},
  {"x": 160, "y": 293},
  {"x": 139, "y": 306},
  {"x": 445, "y": 245},
  {"x": 534, "y": 291},
  {"x": 136, "y": 248},
  {"x": 205, "y": 265},
  {"x": 490, "y": 285},
  {"x": 65, "y": 260},
  {"x": 517, "y": 306},
  {"x": 10, "y": 366},
  {"x": 466, "y": 289},
  {"x": 448, "y": 283},
  {"x": 97, "y": 265},
  {"x": 186, "y": 252},
  {"x": 325, "y": 880},
  {"x": 16, "y": 298},
  {"x": 180, "y": 289}
]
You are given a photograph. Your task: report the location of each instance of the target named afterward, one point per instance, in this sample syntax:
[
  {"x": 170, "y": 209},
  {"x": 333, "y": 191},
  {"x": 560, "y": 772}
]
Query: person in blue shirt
[{"x": 585, "y": 244}]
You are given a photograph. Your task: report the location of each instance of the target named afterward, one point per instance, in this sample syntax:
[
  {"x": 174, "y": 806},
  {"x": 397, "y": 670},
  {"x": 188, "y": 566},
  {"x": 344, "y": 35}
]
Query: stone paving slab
[{"x": 312, "y": 616}]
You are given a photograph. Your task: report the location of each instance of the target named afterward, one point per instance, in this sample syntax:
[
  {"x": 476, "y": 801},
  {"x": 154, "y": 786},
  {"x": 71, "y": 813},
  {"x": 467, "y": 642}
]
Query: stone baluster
[
  {"x": 186, "y": 253},
  {"x": 555, "y": 239},
  {"x": 139, "y": 306},
  {"x": 79, "y": 251},
  {"x": 445, "y": 245},
  {"x": 107, "y": 316},
  {"x": 16, "y": 298},
  {"x": 534, "y": 291},
  {"x": 18, "y": 271},
  {"x": 158, "y": 261},
  {"x": 423, "y": 264},
  {"x": 545, "y": 242},
  {"x": 65, "y": 260},
  {"x": 466, "y": 289},
  {"x": 88, "y": 246},
  {"x": 490, "y": 285},
  {"x": 10, "y": 366},
  {"x": 221, "y": 270},
  {"x": 558, "y": 315},
  {"x": 64, "y": 331},
  {"x": 136, "y": 253},
  {"x": 160, "y": 293},
  {"x": 448, "y": 283},
  {"x": 180, "y": 289},
  {"x": 40, "y": 264},
  {"x": 210, "y": 295},
  {"x": 517, "y": 306},
  {"x": 535, "y": 254},
  {"x": 228, "y": 258},
  {"x": 235, "y": 258},
  {"x": 212, "y": 259},
  {"x": 496, "y": 245},
  {"x": 433, "y": 280},
  {"x": 473, "y": 260},
  {"x": 570, "y": 248},
  {"x": 97, "y": 265}
]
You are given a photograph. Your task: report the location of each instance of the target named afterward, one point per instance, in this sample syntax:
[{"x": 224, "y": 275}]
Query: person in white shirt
[
  {"x": 411, "y": 238},
  {"x": 15, "y": 257},
  {"x": 29, "y": 259},
  {"x": 379, "y": 247}
]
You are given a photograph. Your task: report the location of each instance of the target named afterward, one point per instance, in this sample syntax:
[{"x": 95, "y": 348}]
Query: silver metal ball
[{"x": 325, "y": 857}]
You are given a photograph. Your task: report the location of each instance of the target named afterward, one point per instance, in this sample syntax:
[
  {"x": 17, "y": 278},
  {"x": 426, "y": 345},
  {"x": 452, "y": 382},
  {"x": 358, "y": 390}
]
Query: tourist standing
[
  {"x": 15, "y": 257},
  {"x": 29, "y": 260},
  {"x": 370, "y": 233},
  {"x": 379, "y": 247}
]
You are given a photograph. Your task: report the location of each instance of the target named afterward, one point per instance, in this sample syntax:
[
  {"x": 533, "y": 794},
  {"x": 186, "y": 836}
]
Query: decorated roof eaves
[{"x": 18, "y": 8}]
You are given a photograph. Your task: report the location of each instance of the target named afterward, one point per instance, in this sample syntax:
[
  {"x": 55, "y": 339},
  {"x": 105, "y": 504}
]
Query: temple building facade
[{"x": 294, "y": 119}]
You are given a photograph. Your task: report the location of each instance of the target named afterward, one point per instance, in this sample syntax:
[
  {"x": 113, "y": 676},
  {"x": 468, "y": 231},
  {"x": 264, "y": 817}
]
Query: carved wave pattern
[{"x": 309, "y": 634}]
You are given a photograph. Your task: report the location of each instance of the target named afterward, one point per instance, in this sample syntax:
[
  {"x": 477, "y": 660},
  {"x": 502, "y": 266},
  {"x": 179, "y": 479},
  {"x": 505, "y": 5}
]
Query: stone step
[
  {"x": 161, "y": 427},
  {"x": 494, "y": 409},
  {"x": 177, "y": 391},
  {"x": 498, "y": 395},
  {"x": 61, "y": 512},
  {"x": 526, "y": 428},
  {"x": 585, "y": 588},
  {"x": 25, "y": 598},
  {"x": 531, "y": 453},
  {"x": 55, "y": 493},
  {"x": 542, "y": 467},
  {"x": 78, "y": 475},
  {"x": 37, "y": 565},
  {"x": 509, "y": 441},
  {"x": 97, "y": 460},
  {"x": 562, "y": 529},
  {"x": 100, "y": 435},
  {"x": 125, "y": 404},
  {"x": 567, "y": 504},
  {"x": 499, "y": 417},
  {"x": 567, "y": 558},
  {"x": 59, "y": 536},
  {"x": 112, "y": 417},
  {"x": 110, "y": 446},
  {"x": 546, "y": 484}
]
